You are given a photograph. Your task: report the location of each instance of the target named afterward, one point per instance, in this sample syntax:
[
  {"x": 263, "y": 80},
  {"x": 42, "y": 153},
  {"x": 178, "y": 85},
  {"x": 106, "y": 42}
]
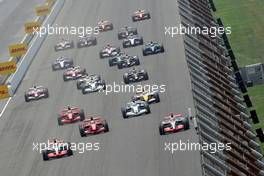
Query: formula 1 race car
[
  {"x": 114, "y": 60},
  {"x": 126, "y": 31},
  {"x": 135, "y": 108},
  {"x": 93, "y": 86},
  {"x": 64, "y": 44},
  {"x": 173, "y": 123},
  {"x": 93, "y": 126},
  {"x": 70, "y": 115},
  {"x": 87, "y": 78},
  {"x": 132, "y": 40},
  {"x": 148, "y": 96},
  {"x": 36, "y": 93},
  {"x": 86, "y": 41},
  {"x": 128, "y": 61},
  {"x": 140, "y": 15},
  {"x": 109, "y": 51},
  {"x": 74, "y": 73},
  {"x": 56, "y": 149},
  {"x": 152, "y": 48},
  {"x": 135, "y": 76},
  {"x": 105, "y": 26},
  {"x": 62, "y": 63}
]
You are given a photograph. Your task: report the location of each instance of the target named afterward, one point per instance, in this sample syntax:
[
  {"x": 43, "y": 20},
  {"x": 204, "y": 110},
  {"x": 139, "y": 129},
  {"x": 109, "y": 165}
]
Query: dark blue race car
[{"x": 152, "y": 48}]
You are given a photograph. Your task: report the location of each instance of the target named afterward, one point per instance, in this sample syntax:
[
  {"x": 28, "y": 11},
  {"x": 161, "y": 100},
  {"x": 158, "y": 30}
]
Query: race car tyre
[
  {"x": 56, "y": 49},
  {"x": 123, "y": 110},
  {"x": 83, "y": 91},
  {"x": 101, "y": 55},
  {"x": 78, "y": 84},
  {"x": 119, "y": 36},
  {"x": 82, "y": 133},
  {"x": 82, "y": 116},
  {"x": 65, "y": 78},
  {"x": 26, "y": 98},
  {"x": 134, "y": 19},
  {"x": 54, "y": 68},
  {"x": 161, "y": 130},
  {"x": 45, "y": 156},
  {"x": 59, "y": 121},
  {"x": 157, "y": 98},
  {"x": 137, "y": 62},
  {"x": 126, "y": 81},
  {"x": 95, "y": 42},
  {"x": 148, "y": 109},
  {"x": 186, "y": 124},
  {"x": 146, "y": 77},
  {"x": 110, "y": 62},
  {"x": 144, "y": 53},
  {"x": 111, "y": 27},
  {"x": 69, "y": 152},
  {"x": 148, "y": 16},
  {"x": 162, "y": 49},
  {"x": 141, "y": 41},
  {"x": 106, "y": 127},
  {"x": 103, "y": 84},
  {"x": 119, "y": 66},
  {"x": 46, "y": 93}
]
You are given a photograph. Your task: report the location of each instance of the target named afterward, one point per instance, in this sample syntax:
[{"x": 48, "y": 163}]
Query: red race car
[
  {"x": 56, "y": 149},
  {"x": 105, "y": 26},
  {"x": 93, "y": 126},
  {"x": 173, "y": 123},
  {"x": 74, "y": 73},
  {"x": 71, "y": 115},
  {"x": 140, "y": 15}
]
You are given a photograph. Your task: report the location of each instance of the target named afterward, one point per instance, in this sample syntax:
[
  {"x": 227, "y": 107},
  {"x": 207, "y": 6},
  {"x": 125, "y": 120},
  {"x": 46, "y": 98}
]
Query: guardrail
[
  {"x": 221, "y": 112},
  {"x": 35, "y": 42}
]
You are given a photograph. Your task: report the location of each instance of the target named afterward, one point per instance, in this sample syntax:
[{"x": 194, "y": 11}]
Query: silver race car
[
  {"x": 135, "y": 108},
  {"x": 140, "y": 15},
  {"x": 135, "y": 76},
  {"x": 36, "y": 93},
  {"x": 62, "y": 63},
  {"x": 109, "y": 51},
  {"x": 152, "y": 48},
  {"x": 114, "y": 60},
  {"x": 64, "y": 44},
  {"x": 86, "y": 79},
  {"x": 148, "y": 96},
  {"x": 173, "y": 123},
  {"x": 128, "y": 61},
  {"x": 93, "y": 86},
  {"x": 86, "y": 41},
  {"x": 74, "y": 73},
  {"x": 126, "y": 31},
  {"x": 132, "y": 40}
]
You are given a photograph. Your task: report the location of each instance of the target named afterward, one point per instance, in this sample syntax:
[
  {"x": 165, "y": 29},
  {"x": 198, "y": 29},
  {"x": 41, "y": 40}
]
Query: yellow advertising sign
[
  {"x": 42, "y": 10},
  {"x": 7, "y": 67},
  {"x": 17, "y": 50},
  {"x": 30, "y": 26},
  {"x": 4, "y": 92}
]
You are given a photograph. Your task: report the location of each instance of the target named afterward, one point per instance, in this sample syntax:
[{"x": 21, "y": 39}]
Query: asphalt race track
[
  {"x": 133, "y": 147},
  {"x": 13, "y": 15}
]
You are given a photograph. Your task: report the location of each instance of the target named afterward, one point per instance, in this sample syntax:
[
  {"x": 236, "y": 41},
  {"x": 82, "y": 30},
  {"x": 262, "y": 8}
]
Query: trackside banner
[
  {"x": 42, "y": 10},
  {"x": 4, "y": 92},
  {"x": 17, "y": 50},
  {"x": 7, "y": 67},
  {"x": 30, "y": 26}
]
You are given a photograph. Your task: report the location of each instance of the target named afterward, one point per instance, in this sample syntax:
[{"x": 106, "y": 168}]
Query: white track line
[{"x": 3, "y": 110}]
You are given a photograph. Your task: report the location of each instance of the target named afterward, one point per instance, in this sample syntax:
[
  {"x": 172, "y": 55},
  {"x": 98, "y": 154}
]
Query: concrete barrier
[{"x": 15, "y": 79}]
